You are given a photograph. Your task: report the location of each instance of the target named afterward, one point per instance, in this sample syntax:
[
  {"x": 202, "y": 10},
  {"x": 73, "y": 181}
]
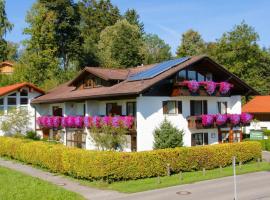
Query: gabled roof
[
  {"x": 259, "y": 104},
  {"x": 10, "y": 88},
  {"x": 67, "y": 92},
  {"x": 5, "y": 63},
  {"x": 109, "y": 74}
]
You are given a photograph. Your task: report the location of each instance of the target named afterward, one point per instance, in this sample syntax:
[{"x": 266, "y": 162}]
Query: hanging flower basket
[
  {"x": 246, "y": 118},
  {"x": 207, "y": 120},
  {"x": 209, "y": 86},
  {"x": 221, "y": 119},
  {"x": 234, "y": 119},
  {"x": 192, "y": 85},
  {"x": 224, "y": 87}
]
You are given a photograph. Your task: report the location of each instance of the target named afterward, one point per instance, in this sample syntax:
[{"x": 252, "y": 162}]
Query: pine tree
[{"x": 167, "y": 136}]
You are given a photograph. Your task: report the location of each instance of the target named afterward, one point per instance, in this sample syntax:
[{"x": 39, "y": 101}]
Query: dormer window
[{"x": 88, "y": 83}]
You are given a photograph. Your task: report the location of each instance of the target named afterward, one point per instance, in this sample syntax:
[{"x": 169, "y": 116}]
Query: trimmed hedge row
[{"x": 107, "y": 165}]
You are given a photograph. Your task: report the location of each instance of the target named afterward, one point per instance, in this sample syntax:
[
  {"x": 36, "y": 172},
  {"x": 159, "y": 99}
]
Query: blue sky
[{"x": 170, "y": 18}]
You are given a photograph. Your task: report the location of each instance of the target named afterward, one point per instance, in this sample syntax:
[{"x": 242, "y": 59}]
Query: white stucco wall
[{"x": 150, "y": 115}]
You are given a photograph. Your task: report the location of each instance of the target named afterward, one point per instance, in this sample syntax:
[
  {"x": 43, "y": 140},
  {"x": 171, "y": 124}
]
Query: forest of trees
[{"x": 64, "y": 36}]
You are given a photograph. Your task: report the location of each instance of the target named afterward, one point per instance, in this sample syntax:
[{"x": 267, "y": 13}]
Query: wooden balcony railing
[{"x": 195, "y": 122}]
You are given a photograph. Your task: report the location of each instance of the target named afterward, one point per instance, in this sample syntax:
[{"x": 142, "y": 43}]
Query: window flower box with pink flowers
[{"x": 81, "y": 122}]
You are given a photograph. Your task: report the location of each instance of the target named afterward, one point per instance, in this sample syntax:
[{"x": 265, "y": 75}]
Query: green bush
[
  {"x": 32, "y": 135},
  {"x": 167, "y": 136},
  {"x": 266, "y": 132},
  {"x": 265, "y": 144},
  {"x": 111, "y": 165}
]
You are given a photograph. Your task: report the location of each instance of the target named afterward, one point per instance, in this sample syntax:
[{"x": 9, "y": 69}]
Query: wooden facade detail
[
  {"x": 6, "y": 68},
  {"x": 181, "y": 90}
]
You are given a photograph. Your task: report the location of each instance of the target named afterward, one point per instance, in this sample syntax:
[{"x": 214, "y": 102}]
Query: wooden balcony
[
  {"x": 180, "y": 89},
  {"x": 195, "y": 122}
]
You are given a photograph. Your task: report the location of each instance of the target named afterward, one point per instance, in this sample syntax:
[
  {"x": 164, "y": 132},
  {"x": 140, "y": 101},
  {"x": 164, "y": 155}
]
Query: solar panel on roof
[{"x": 157, "y": 69}]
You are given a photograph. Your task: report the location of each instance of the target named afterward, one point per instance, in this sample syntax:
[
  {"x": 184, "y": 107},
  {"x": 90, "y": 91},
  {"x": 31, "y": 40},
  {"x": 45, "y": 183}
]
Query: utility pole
[{"x": 234, "y": 179}]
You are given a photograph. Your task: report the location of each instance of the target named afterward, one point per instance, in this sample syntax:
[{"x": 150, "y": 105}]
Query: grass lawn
[
  {"x": 16, "y": 185},
  {"x": 188, "y": 177}
]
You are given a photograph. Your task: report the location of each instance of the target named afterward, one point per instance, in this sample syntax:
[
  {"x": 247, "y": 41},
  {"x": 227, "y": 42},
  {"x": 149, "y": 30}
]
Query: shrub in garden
[
  {"x": 17, "y": 121},
  {"x": 32, "y": 135},
  {"x": 111, "y": 165},
  {"x": 167, "y": 136}
]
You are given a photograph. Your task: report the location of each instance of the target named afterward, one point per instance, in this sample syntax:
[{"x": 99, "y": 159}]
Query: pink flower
[
  {"x": 246, "y": 118},
  {"x": 192, "y": 85},
  {"x": 78, "y": 122},
  {"x": 70, "y": 121},
  {"x": 209, "y": 86},
  {"x": 96, "y": 121},
  {"x": 56, "y": 121},
  {"x": 87, "y": 121},
  {"x": 116, "y": 121},
  {"x": 128, "y": 121},
  {"x": 221, "y": 119},
  {"x": 234, "y": 119},
  {"x": 48, "y": 122},
  {"x": 207, "y": 120},
  {"x": 106, "y": 120},
  {"x": 224, "y": 87}
]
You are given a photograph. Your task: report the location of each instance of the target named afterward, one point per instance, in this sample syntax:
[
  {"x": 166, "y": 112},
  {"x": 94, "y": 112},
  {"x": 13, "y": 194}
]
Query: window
[
  {"x": 1, "y": 105},
  {"x": 172, "y": 107},
  {"x": 209, "y": 77},
  {"x": 23, "y": 93},
  {"x": 222, "y": 107},
  {"x": 57, "y": 111},
  {"x": 23, "y": 101},
  {"x": 88, "y": 83},
  {"x": 199, "y": 139},
  {"x": 113, "y": 109},
  {"x": 182, "y": 75},
  {"x": 200, "y": 77},
  {"x": 12, "y": 101},
  {"x": 131, "y": 108},
  {"x": 192, "y": 75},
  {"x": 198, "y": 107}
]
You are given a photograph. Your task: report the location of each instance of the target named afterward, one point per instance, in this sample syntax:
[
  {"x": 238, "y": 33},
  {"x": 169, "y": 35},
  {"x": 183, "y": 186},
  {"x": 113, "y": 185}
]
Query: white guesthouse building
[
  {"x": 18, "y": 96},
  {"x": 150, "y": 94}
]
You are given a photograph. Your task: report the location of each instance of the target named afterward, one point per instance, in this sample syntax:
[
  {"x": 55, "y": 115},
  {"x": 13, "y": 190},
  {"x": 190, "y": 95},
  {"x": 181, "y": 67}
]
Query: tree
[
  {"x": 120, "y": 45},
  {"x": 239, "y": 52},
  {"x": 191, "y": 44},
  {"x": 109, "y": 138},
  {"x": 155, "y": 49},
  {"x": 133, "y": 18},
  {"x": 167, "y": 136},
  {"x": 39, "y": 60},
  {"x": 66, "y": 31},
  {"x": 95, "y": 17},
  {"x": 5, "y": 26},
  {"x": 17, "y": 121}
]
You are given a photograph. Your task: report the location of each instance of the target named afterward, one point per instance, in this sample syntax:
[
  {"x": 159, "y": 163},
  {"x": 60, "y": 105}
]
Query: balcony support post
[{"x": 231, "y": 135}]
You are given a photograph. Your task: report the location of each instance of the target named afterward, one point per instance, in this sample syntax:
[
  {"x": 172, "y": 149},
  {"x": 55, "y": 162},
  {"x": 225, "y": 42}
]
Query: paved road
[{"x": 254, "y": 186}]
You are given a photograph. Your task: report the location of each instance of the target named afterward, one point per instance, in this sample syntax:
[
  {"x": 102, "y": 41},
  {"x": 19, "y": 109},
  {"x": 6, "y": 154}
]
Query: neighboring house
[
  {"x": 259, "y": 107},
  {"x": 150, "y": 94},
  {"x": 6, "y": 67},
  {"x": 19, "y": 96}
]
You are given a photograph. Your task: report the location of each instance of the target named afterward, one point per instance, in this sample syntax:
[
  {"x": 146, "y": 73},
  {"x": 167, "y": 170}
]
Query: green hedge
[
  {"x": 264, "y": 143},
  {"x": 96, "y": 165}
]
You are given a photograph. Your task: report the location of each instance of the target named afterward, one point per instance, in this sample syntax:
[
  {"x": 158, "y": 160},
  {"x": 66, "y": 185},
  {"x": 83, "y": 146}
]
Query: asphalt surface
[{"x": 253, "y": 186}]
